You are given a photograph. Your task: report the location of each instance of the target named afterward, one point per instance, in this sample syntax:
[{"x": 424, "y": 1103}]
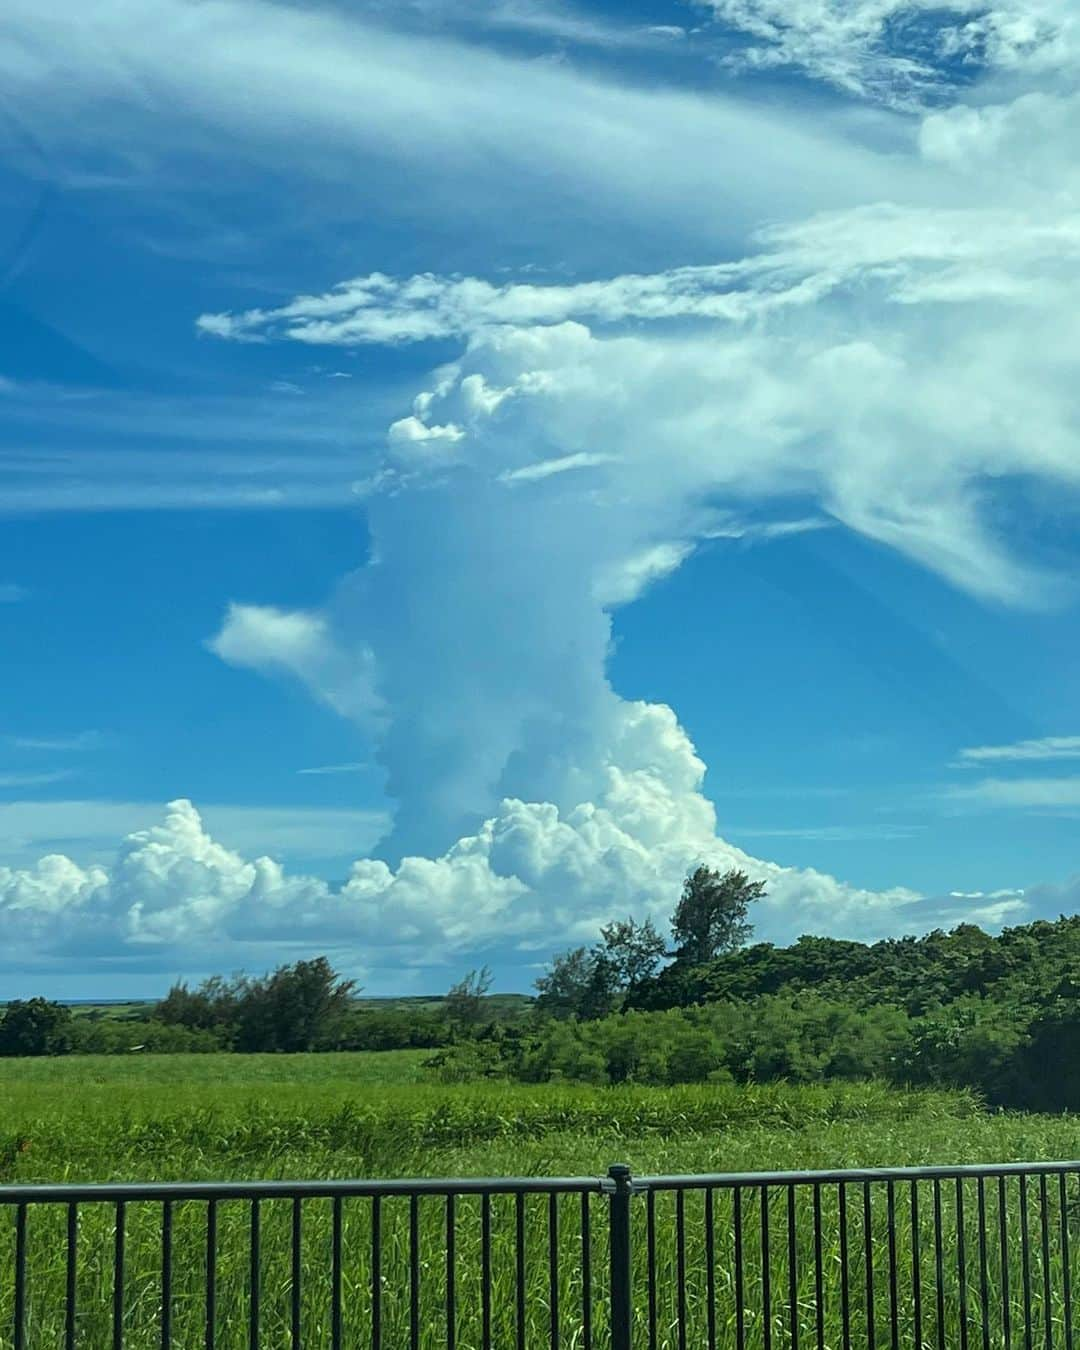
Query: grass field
[{"x": 215, "y": 1117}]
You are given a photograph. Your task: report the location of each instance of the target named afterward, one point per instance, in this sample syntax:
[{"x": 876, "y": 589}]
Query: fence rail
[{"x": 939, "y": 1257}]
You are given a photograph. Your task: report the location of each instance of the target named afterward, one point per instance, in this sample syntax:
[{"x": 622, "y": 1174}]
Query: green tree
[
  {"x": 560, "y": 991},
  {"x": 601, "y": 992},
  {"x": 35, "y": 1026},
  {"x": 710, "y": 918},
  {"x": 633, "y": 950},
  {"x": 210, "y": 1007},
  {"x": 580, "y": 983},
  {"x": 296, "y": 1008},
  {"x": 590, "y": 982},
  {"x": 465, "y": 1002}
]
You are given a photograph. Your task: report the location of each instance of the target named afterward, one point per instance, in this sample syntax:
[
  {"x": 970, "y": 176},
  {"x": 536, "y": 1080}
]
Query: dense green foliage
[
  {"x": 997, "y": 1014},
  {"x": 592, "y": 982},
  {"x": 35, "y": 1027},
  {"x": 805, "y": 1040},
  {"x": 1035, "y": 963},
  {"x": 295, "y": 1008},
  {"x": 710, "y": 918}
]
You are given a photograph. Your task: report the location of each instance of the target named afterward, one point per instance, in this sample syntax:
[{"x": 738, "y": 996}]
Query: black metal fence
[{"x": 942, "y": 1257}]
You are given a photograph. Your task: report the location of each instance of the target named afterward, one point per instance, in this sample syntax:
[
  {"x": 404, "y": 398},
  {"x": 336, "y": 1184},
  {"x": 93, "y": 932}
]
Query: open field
[
  {"x": 235, "y": 1117},
  {"x": 91, "y": 1118}
]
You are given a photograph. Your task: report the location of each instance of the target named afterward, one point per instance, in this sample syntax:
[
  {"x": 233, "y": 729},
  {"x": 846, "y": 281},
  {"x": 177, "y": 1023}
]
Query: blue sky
[{"x": 479, "y": 461}]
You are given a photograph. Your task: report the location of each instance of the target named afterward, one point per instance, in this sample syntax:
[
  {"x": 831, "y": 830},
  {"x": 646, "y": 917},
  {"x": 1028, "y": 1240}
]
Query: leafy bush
[
  {"x": 106, "y": 1037},
  {"x": 35, "y": 1027},
  {"x": 394, "y": 1029}
]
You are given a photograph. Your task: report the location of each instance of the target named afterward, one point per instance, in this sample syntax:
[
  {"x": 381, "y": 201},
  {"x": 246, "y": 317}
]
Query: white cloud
[
  {"x": 151, "y": 451},
  {"x": 878, "y": 358},
  {"x": 810, "y": 367},
  {"x": 626, "y": 579},
  {"x": 418, "y": 442},
  {"x": 907, "y": 253},
  {"x": 882, "y": 367},
  {"x": 1045, "y": 747},
  {"x": 531, "y": 877},
  {"x": 336, "y": 98},
  {"x": 355, "y": 766},
  {"x": 760, "y": 418},
  {"x": 11, "y": 594},
  {"x": 904, "y": 53},
  {"x": 560, "y": 23},
  {"x": 87, "y": 830},
  {"x": 830, "y": 834},
  {"x": 1031, "y": 793},
  {"x": 81, "y": 740},
  {"x": 300, "y": 644},
  {"x": 534, "y": 473},
  {"x": 22, "y": 779}
]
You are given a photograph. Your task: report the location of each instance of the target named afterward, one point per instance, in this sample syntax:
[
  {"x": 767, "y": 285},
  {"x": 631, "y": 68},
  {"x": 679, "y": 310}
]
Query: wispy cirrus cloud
[
  {"x": 1041, "y": 748},
  {"x": 831, "y": 834},
  {"x": 1051, "y": 794},
  {"x": 65, "y": 450},
  {"x": 914, "y": 254},
  {"x": 354, "y": 766},
  {"x": 80, "y": 740},
  {"x": 901, "y": 53},
  {"x": 21, "y": 779},
  {"x": 321, "y": 97}
]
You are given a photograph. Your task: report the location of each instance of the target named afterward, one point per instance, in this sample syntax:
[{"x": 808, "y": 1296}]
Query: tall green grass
[
  {"x": 174, "y": 1117},
  {"x": 222, "y": 1117}
]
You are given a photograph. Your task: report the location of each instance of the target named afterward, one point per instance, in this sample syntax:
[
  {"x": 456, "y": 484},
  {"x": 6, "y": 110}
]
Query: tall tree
[
  {"x": 299, "y": 1007},
  {"x": 710, "y": 918},
  {"x": 590, "y": 982},
  {"x": 564, "y": 987},
  {"x": 633, "y": 950},
  {"x": 210, "y": 1006},
  {"x": 465, "y": 1001}
]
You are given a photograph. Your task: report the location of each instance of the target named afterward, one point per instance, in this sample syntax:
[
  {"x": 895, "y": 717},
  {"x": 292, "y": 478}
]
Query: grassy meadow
[{"x": 212, "y": 1117}]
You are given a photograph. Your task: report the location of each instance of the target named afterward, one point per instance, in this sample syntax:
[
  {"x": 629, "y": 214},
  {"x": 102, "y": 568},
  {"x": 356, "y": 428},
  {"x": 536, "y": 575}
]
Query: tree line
[
  {"x": 301, "y": 1007},
  {"x": 999, "y": 1014}
]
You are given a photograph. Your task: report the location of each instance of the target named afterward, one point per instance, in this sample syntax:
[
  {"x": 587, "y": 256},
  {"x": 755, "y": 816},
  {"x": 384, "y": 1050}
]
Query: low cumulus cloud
[{"x": 528, "y": 876}]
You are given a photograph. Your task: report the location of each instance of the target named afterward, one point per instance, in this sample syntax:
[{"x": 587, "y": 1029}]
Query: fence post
[{"x": 621, "y": 1293}]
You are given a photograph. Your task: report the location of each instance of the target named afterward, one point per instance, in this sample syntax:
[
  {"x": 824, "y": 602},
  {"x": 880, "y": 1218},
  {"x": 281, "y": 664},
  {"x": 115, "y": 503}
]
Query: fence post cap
[{"x": 619, "y": 1172}]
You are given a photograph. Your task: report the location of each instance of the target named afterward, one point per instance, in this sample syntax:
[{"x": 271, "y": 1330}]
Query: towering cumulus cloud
[
  {"x": 558, "y": 467},
  {"x": 893, "y": 369}
]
